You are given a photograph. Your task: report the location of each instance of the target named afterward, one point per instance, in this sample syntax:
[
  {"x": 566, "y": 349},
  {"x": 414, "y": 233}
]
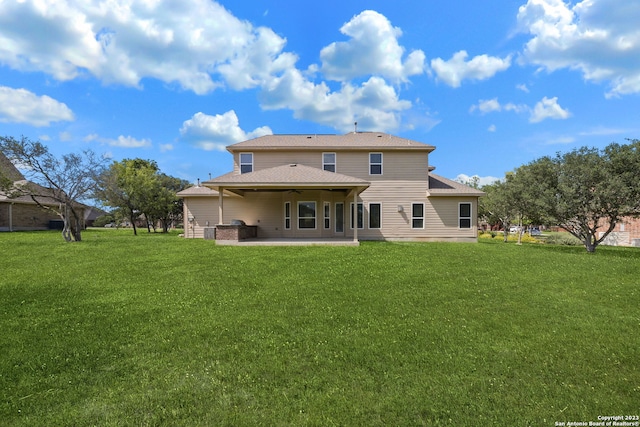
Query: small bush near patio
[{"x": 120, "y": 330}]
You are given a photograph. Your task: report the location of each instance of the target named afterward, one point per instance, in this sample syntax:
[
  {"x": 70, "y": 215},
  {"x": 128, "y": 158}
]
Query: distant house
[
  {"x": 22, "y": 212},
  {"x": 359, "y": 186},
  {"x": 625, "y": 233}
]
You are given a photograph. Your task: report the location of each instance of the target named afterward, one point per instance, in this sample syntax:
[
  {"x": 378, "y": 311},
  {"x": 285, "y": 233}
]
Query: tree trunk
[
  {"x": 133, "y": 223},
  {"x": 590, "y": 243}
]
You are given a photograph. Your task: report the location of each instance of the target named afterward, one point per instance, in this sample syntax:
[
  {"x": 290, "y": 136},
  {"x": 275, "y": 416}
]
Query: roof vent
[
  {"x": 293, "y": 165},
  {"x": 379, "y": 136}
]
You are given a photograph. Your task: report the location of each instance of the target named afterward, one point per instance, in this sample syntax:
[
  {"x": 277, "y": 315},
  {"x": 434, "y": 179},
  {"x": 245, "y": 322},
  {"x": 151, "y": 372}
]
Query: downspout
[{"x": 220, "y": 206}]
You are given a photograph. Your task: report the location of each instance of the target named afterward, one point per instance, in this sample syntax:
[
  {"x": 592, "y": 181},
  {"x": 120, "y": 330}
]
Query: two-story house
[{"x": 359, "y": 186}]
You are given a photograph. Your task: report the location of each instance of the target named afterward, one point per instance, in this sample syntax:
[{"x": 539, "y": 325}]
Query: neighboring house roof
[
  {"x": 350, "y": 141},
  {"x": 440, "y": 186},
  {"x": 92, "y": 213},
  {"x": 44, "y": 199},
  {"x": 8, "y": 170},
  {"x": 287, "y": 177}
]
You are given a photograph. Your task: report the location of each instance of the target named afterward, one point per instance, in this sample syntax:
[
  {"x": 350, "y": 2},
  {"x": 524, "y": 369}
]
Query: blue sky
[{"x": 493, "y": 85}]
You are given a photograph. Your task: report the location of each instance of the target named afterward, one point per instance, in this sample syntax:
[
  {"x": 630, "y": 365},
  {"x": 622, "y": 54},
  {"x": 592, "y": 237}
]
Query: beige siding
[
  {"x": 201, "y": 210},
  {"x": 403, "y": 182},
  {"x": 397, "y": 165},
  {"x": 442, "y": 217}
]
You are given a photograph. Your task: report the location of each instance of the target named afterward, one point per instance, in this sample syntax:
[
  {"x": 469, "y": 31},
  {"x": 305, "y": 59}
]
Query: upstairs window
[
  {"x": 246, "y": 162},
  {"x": 464, "y": 216},
  {"x": 375, "y": 163},
  {"x": 329, "y": 162}
]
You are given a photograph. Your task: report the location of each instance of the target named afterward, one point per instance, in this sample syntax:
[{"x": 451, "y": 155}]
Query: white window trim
[
  {"x": 315, "y": 218},
  {"x": 326, "y": 215},
  {"x": 240, "y": 163},
  {"x": 418, "y": 217},
  {"x": 381, "y": 163},
  {"x": 353, "y": 216},
  {"x": 335, "y": 161},
  {"x": 369, "y": 216},
  {"x": 287, "y": 217},
  {"x": 470, "y": 217}
]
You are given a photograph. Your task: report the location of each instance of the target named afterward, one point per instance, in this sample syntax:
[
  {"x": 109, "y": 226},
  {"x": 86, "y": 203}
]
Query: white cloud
[
  {"x": 486, "y": 106},
  {"x": 482, "y": 180},
  {"x": 189, "y": 43},
  {"x": 22, "y": 106},
  {"x": 548, "y": 108},
  {"x": 491, "y": 105},
  {"x": 166, "y": 147},
  {"x": 522, "y": 87},
  {"x": 600, "y": 38},
  {"x": 374, "y": 105},
  {"x": 457, "y": 69},
  {"x": 128, "y": 142},
  {"x": 200, "y": 46},
  {"x": 216, "y": 132},
  {"x": 121, "y": 141},
  {"x": 373, "y": 49},
  {"x": 492, "y": 128}
]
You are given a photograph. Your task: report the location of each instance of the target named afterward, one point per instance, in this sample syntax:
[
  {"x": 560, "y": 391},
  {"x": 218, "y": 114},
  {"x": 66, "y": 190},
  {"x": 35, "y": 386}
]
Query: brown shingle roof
[
  {"x": 350, "y": 141},
  {"x": 287, "y": 176},
  {"x": 197, "y": 191},
  {"x": 8, "y": 170},
  {"x": 440, "y": 186}
]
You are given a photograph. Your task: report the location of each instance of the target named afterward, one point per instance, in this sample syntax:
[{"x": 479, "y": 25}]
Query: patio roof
[{"x": 286, "y": 177}]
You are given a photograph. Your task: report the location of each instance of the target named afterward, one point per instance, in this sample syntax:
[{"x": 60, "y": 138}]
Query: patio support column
[
  {"x": 220, "y": 207},
  {"x": 355, "y": 215},
  {"x": 10, "y": 216}
]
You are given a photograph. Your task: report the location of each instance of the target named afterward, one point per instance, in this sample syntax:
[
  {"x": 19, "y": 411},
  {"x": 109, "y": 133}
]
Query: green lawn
[{"x": 158, "y": 330}]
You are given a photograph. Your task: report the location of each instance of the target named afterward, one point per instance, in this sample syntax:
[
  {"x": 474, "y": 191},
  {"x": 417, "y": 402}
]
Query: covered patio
[{"x": 292, "y": 178}]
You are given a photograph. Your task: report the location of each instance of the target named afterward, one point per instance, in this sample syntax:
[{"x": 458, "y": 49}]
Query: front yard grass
[{"x": 159, "y": 330}]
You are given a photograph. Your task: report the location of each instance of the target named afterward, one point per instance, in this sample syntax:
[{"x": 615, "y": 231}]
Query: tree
[
  {"x": 496, "y": 206},
  {"x": 585, "y": 191},
  {"x": 65, "y": 181},
  {"x": 128, "y": 185},
  {"x": 168, "y": 206},
  {"x": 137, "y": 188}
]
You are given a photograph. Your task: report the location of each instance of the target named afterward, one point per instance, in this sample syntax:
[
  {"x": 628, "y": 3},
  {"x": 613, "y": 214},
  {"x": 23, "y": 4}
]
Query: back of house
[{"x": 361, "y": 186}]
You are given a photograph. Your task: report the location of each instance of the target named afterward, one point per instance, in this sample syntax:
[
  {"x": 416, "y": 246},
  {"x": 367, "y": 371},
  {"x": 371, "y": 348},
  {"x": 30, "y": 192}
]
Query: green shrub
[
  {"x": 562, "y": 239},
  {"x": 103, "y": 220}
]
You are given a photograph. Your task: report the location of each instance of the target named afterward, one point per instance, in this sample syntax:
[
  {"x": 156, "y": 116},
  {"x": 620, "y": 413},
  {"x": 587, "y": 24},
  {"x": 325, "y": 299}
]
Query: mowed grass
[{"x": 158, "y": 330}]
